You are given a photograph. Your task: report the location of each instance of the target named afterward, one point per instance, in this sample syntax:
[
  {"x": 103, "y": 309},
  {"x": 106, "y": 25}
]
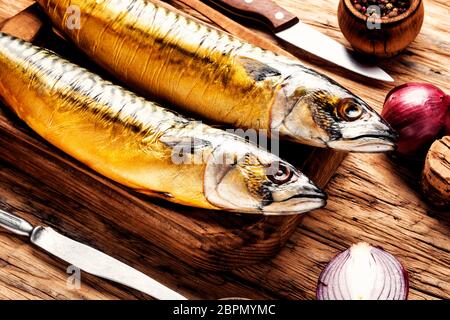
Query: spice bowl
[{"x": 380, "y": 36}]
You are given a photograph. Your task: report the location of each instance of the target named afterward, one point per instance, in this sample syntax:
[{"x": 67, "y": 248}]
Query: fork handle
[{"x": 265, "y": 11}]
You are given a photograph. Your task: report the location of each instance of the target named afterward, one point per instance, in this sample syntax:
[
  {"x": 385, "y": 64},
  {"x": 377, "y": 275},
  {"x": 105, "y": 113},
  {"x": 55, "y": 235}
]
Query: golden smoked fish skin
[
  {"x": 218, "y": 77},
  {"x": 142, "y": 145},
  {"x": 169, "y": 56}
]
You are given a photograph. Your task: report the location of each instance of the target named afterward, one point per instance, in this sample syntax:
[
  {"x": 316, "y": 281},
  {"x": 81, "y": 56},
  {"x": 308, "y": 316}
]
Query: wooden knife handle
[{"x": 266, "y": 11}]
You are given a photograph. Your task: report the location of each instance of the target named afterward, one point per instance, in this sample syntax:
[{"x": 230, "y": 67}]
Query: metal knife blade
[
  {"x": 99, "y": 264},
  {"x": 307, "y": 38},
  {"x": 286, "y": 26},
  {"x": 86, "y": 258}
]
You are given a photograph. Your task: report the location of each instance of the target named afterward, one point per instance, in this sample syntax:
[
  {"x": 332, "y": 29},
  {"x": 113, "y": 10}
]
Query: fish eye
[
  {"x": 282, "y": 175},
  {"x": 349, "y": 110}
]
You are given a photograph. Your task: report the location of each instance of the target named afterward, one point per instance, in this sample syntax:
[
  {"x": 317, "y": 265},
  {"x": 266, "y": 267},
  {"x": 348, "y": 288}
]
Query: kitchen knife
[
  {"x": 86, "y": 258},
  {"x": 289, "y": 28}
]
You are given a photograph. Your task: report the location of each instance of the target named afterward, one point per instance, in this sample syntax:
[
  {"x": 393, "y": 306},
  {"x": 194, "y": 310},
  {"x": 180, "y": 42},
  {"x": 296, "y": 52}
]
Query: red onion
[
  {"x": 420, "y": 113},
  {"x": 363, "y": 272}
]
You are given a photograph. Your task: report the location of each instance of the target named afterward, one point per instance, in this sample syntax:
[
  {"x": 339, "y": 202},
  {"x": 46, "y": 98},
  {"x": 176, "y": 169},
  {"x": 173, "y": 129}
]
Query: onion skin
[
  {"x": 363, "y": 272},
  {"x": 420, "y": 113}
]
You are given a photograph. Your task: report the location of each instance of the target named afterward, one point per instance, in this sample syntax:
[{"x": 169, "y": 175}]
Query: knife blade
[
  {"x": 286, "y": 26},
  {"x": 86, "y": 258}
]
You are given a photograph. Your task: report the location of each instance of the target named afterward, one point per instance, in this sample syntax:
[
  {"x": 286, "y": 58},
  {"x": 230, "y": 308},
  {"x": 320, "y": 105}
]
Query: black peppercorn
[{"x": 381, "y": 8}]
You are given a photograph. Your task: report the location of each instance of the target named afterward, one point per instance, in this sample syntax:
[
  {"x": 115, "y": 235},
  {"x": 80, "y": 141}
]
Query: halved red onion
[{"x": 363, "y": 272}]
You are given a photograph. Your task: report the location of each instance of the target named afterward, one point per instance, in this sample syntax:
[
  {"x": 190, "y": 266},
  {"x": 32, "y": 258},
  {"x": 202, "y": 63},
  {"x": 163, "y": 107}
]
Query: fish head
[
  {"x": 251, "y": 180},
  {"x": 324, "y": 114}
]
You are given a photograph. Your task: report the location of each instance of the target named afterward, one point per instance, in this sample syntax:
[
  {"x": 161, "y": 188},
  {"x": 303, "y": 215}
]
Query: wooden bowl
[{"x": 380, "y": 37}]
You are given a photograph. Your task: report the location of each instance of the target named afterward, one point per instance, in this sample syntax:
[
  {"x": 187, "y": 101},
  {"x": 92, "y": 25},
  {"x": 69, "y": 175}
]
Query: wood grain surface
[
  {"x": 10, "y": 8},
  {"x": 210, "y": 240},
  {"x": 372, "y": 198},
  {"x": 31, "y": 22}
]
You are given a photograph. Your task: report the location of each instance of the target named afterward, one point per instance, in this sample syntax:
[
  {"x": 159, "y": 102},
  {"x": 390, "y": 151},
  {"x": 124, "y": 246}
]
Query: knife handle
[
  {"x": 15, "y": 224},
  {"x": 265, "y": 11}
]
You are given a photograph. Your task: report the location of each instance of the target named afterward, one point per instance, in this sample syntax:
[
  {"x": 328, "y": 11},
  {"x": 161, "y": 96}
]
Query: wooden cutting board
[{"x": 57, "y": 190}]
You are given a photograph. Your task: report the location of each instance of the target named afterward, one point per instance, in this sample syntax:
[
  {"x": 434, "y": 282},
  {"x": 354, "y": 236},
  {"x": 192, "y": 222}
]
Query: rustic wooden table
[{"x": 372, "y": 198}]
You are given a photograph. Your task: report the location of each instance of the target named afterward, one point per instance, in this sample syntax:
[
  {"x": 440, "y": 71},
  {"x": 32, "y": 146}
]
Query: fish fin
[
  {"x": 257, "y": 70},
  {"x": 155, "y": 194},
  {"x": 189, "y": 144},
  {"x": 59, "y": 33}
]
